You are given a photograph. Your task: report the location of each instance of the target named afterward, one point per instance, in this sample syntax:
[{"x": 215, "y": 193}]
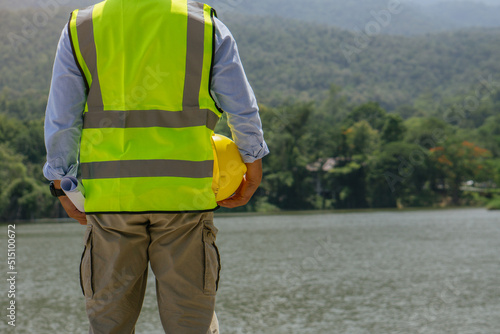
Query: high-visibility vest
[{"x": 149, "y": 114}]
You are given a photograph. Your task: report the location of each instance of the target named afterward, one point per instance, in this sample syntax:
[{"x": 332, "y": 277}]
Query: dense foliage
[
  {"x": 285, "y": 58},
  {"x": 331, "y": 155},
  {"x": 336, "y": 155},
  {"x": 23, "y": 190}
]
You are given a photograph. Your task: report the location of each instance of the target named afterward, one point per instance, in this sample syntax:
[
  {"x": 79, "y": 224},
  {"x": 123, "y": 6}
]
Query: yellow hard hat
[{"x": 229, "y": 168}]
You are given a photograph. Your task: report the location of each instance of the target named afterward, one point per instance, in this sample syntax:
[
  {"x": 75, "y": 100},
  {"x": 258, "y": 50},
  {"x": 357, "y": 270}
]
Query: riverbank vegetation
[
  {"x": 494, "y": 204},
  {"x": 337, "y": 156},
  {"x": 330, "y": 155}
]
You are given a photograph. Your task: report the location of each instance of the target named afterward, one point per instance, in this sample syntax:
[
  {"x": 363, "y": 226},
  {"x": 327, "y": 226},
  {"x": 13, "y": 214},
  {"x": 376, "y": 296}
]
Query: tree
[
  {"x": 286, "y": 182},
  {"x": 25, "y": 198},
  {"x": 370, "y": 112},
  {"x": 398, "y": 176},
  {"x": 459, "y": 162},
  {"x": 393, "y": 129},
  {"x": 11, "y": 166},
  {"x": 362, "y": 139}
]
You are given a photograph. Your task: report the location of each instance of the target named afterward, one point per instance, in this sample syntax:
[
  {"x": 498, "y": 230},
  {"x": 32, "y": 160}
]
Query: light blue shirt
[{"x": 67, "y": 97}]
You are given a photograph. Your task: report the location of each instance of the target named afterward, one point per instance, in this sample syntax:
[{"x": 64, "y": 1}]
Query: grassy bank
[{"x": 494, "y": 204}]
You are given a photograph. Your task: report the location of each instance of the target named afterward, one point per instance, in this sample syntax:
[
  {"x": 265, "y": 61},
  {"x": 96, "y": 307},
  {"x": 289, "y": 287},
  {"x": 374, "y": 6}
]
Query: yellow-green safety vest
[{"x": 149, "y": 114}]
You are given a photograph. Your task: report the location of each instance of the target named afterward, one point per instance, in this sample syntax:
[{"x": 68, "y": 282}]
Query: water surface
[{"x": 371, "y": 272}]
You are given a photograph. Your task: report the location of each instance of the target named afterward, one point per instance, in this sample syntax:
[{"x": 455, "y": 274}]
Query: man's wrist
[{"x": 55, "y": 188}]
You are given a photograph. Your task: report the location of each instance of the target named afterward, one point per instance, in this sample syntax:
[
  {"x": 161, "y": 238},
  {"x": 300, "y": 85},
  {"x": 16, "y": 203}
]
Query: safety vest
[{"x": 149, "y": 114}]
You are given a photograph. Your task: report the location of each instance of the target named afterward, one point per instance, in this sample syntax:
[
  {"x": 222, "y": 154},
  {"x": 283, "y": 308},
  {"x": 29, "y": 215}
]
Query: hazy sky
[{"x": 490, "y": 2}]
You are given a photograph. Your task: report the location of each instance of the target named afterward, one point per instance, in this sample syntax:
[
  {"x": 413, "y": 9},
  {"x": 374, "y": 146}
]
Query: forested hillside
[
  {"x": 27, "y": 52},
  {"x": 388, "y": 69},
  {"x": 286, "y": 58}
]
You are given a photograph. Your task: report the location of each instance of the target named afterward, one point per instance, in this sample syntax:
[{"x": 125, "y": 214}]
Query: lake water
[{"x": 368, "y": 272}]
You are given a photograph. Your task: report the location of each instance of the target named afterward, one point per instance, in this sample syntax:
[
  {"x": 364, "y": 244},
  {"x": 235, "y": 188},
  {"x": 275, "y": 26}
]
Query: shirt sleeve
[
  {"x": 234, "y": 95},
  {"x": 64, "y": 113}
]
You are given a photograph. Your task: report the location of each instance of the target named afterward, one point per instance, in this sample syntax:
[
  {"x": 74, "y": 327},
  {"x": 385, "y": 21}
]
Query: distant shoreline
[{"x": 277, "y": 213}]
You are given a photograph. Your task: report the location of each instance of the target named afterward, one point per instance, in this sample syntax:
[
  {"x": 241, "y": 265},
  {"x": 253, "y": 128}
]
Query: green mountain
[
  {"x": 289, "y": 59},
  {"x": 303, "y": 60}
]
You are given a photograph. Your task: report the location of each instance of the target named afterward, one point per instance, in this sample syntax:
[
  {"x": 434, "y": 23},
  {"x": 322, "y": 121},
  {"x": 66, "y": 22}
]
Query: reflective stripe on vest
[{"x": 149, "y": 115}]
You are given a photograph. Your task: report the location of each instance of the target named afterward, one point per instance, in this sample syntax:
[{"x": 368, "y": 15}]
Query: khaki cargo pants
[{"x": 184, "y": 259}]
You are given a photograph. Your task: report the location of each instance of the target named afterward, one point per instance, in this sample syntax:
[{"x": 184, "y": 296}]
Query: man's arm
[
  {"x": 63, "y": 121},
  {"x": 235, "y": 96},
  {"x": 69, "y": 207}
]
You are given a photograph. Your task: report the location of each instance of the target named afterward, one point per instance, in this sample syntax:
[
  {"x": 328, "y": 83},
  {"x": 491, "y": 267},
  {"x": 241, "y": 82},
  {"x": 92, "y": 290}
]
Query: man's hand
[
  {"x": 70, "y": 208},
  {"x": 247, "y": 188}
]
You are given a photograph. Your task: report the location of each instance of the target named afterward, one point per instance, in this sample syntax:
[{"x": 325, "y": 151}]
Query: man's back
[{"x": 147, "y": 65}]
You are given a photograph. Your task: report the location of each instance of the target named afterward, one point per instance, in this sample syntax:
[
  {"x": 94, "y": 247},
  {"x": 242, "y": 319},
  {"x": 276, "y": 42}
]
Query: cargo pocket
[
  {"x": 212, "y": 259},
  {"x": 86, "y": 265}
]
